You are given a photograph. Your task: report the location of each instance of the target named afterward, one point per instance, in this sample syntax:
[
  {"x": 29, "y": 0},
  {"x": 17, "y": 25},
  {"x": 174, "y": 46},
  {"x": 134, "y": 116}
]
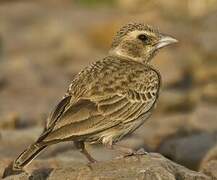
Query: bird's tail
[
  {"x": 23, "y": 159},
  {"x": 28, "y": 155}
]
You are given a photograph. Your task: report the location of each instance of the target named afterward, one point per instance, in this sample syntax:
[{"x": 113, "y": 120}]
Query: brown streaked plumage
[{"x": 108, "y": 99}]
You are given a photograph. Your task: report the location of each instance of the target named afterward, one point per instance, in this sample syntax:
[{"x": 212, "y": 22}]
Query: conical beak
[{"x": 165, "y": 41}]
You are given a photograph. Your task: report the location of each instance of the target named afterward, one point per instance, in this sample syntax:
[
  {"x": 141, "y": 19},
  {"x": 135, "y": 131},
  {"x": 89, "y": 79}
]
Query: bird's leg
[{"x": 81, "y": 146}]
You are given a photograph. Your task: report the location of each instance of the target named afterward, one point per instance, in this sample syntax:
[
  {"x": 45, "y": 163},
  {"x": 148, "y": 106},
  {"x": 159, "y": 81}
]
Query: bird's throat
[{"x": 118, "y": 53}]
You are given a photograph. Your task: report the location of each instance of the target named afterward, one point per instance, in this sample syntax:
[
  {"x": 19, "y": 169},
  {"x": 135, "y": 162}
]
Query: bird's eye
[{"x": 143, "y": 37}]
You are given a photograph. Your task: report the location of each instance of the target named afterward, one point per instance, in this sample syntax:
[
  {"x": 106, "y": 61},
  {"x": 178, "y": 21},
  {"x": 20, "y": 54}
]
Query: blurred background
[{"x": 43, "y": 44}]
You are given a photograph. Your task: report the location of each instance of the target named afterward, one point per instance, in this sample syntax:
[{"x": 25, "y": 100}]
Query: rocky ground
[
  {"x": 44, "y": 44},
  {"x": 148, "y": 167}
]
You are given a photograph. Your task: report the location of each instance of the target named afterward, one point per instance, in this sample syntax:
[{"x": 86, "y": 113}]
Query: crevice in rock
[{"x": 40, "y": 174}]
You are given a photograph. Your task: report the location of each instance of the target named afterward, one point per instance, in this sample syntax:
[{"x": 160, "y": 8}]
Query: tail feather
[
  {"x": 23, "y": 159},
  {"x": 28, "y": 155}
]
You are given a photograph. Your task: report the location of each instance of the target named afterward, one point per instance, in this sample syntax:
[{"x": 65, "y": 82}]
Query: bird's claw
[
  {"x": 138, "y": 152},
  {"x": 90, "y": 163}
]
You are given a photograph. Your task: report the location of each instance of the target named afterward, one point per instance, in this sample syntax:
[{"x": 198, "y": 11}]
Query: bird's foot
[
  {"x": 138, "y": 152},
  {"x": 90, "y": 163}
]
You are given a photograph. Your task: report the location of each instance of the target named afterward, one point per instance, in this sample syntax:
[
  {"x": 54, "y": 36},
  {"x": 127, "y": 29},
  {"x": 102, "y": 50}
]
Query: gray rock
[
  {"x": 204, "y": 118},
  {"x": 190, "y": 150}
]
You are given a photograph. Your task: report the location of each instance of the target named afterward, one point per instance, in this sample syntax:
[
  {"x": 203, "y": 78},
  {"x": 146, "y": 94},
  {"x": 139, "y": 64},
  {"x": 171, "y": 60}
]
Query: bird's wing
[
  {"x": 129, "y": 106},
  {"x": 57, "y": 112},
  {"x": 80, "y": 119},
  {"x": 136, "y": 97},
  {"x": 54, "y": 116},
  {"x": 105, "y": 110}
]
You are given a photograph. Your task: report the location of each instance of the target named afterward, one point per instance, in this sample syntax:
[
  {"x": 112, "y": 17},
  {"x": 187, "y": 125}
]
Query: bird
[{"x": 108, "y": 99}]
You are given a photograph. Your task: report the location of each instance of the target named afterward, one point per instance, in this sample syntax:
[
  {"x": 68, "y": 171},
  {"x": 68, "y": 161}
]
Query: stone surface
[
  {"x": 204, "y": 118},
  {"x": 210, "y": 156},
  {"x": 172, "y": 101},
  {"x": 209, "y": 163},
  {"x": 210, "y": 169},
  {"x": 152, "y": 166},
  {"x": 158, "y": 128},
  {"x": 189, "y": 150}
]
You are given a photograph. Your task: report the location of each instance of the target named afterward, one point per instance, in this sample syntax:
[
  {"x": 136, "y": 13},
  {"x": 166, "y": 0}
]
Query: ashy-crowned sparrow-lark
[{"x": 108, "y": 99}]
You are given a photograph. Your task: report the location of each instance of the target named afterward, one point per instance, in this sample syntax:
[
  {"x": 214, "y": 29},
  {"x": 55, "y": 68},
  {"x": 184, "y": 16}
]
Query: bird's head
[{"x": 139, "y": 42}]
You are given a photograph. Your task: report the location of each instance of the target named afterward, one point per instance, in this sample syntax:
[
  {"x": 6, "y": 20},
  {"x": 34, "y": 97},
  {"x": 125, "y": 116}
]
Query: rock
[
  {"x": 209, "y": 92},
  {"x": 9, "y": 122},
  {"x": 3, "y": 164},
  {"x": 210, "y": 169},
  {"x": 204, "y": 74},
  {"x": 39, "y": 170},
  {"x": 210, "y": 156},
  {"x": 204, "y": 118},
  {"x": 3, "y": 83},
  {"x": 190, "y": 150},
  {"x": 173, "y": 101},
  {"x": 151, "y": 167},
  {"x": 23, "y": 176},
  {"x": 209, "y": 163},
  {"x": 184, "y": 139},
  {"x": 158, "y": 129}
]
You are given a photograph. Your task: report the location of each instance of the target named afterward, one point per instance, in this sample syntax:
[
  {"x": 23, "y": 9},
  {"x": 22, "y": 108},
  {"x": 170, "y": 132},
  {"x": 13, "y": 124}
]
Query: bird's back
[{"x": 111, "y": 75}]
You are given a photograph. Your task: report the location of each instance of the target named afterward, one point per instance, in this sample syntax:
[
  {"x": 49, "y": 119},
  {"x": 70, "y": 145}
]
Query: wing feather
[
  {"x": 91, "y": 115},
  {"x": 58, "y": 110}
]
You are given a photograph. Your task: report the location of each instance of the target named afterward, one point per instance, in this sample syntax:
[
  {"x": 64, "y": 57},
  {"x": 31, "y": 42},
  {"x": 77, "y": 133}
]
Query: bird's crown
[{"x": 130, "y": 27}]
